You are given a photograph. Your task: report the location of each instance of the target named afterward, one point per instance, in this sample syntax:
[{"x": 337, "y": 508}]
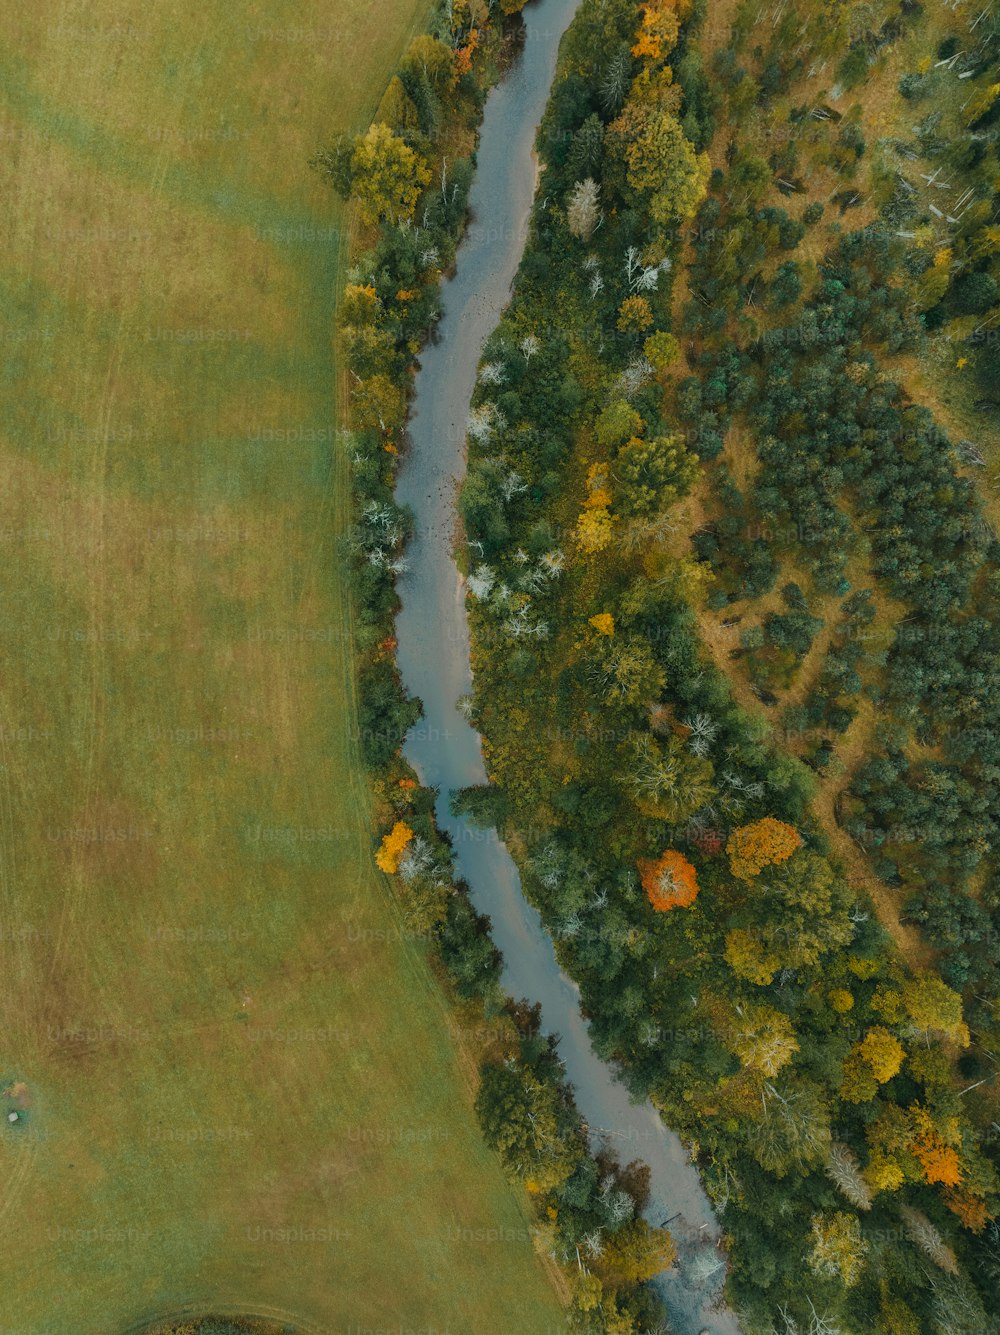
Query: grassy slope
[{"x": 185, "y": 880}]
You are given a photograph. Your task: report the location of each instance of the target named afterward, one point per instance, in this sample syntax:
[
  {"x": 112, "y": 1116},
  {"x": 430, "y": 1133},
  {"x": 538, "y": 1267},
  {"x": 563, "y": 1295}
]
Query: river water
[{"x": 433, "y": 655}]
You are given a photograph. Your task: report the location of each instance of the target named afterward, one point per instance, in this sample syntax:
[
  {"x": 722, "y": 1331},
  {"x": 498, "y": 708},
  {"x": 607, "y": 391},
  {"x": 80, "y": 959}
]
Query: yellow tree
[
  {"x": 634, "y": 315},
  {"x": 838, "y": 1249},
  {"x": 890, "y": 1159},
  {"x": 763, "y": 1038},
  {"x": 980, "y": 103},
  {"x": 883, "y": 1052},
  {"x": 660, "y": 161},
  {"x": 378, "y": 402},
  {"x": 762, "y": 844},
  {"x": 749, "y": 958},
  {"x": 658, "y": 31},
  {"x": 387, "y": 176},
  {"x": 635, "y": 1253},
  {"x": 661, "y": 350},
  {"x": 392, "y": 847},
  {"x": 593, "y": 529},
  {"x": 870, "y": 1063},
  {"x": 935, "y": 1009}
]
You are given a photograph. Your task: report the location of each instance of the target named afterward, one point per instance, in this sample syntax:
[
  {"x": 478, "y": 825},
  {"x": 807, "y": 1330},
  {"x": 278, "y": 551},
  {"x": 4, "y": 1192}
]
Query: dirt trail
[
  {"x": 855, "y": 862},
  {"x": 720, "y": 640}
]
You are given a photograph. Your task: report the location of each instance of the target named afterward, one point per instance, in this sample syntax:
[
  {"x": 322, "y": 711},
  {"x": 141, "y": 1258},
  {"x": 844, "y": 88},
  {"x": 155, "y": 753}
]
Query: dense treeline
[
  {"x": 389, "y": 304},
  {"x": 877, "y": 483},
  {"x": 723, "y": 958},
  {"x": 854, "y": 469},
  {"x": 220, "y": 1326},
  {"x": 409, "y": 176}
]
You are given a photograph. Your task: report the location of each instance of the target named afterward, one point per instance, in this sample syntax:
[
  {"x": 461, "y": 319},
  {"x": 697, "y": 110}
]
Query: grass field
[{"x": 234, "y": 1082}]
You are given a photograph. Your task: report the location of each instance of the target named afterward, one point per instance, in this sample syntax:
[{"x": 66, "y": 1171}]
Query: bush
[{"x": 385, "y": 714}]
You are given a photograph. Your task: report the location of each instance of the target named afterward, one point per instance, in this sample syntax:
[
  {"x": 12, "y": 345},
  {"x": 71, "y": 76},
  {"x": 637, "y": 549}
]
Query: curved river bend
[{"x": 433, "y": 655}]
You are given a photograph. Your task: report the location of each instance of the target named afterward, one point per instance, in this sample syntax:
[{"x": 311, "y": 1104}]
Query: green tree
[
  {"x": 798, "y": 910},
  {"x": 666, "y": 780},
  {"x": 519, "y": 1115},
  {"x": 427, "y": 57},
  {"x": 397, "y": 109},
  {"x": 627, "y": 671},
  {"x": 653, "y": 474},
  {"x": 617, "y": 422},
  {"x": 793, "y": 1131},
  {"x": 335, "y": 163}
]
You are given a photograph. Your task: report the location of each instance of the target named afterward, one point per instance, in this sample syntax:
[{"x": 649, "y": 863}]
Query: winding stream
[{"x": 433, "y": 655}]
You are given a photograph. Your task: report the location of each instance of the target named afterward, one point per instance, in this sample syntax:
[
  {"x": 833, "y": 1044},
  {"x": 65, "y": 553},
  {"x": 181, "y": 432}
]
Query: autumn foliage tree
[
  {"x": 634, "y": 315},
  {"x": 387, "y": 176},
  {"x": 870, "y": 1063},
  {"x": 593, "y": 529},
  {"x": 634, "y": 1254},
  {"x": 938, "y": 1159},
  {"x": 670, "y": 881},
  {"x": 379, "y": 403},
  {"x": 660, "y": 161},
  {"x": 658, "y": 31},
  {"x": 762, "y": 1037},
  {"x": 393, "y": 844},
  {"x": 761, "y": 844},
  {"x": 838, "y": 1249},
  {"x": 969, "y": 1209}
]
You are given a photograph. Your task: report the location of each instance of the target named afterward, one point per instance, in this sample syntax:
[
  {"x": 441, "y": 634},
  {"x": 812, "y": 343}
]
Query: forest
[
  {"x": 733, "y": 597},
  {"x": 733, "y": 582}
]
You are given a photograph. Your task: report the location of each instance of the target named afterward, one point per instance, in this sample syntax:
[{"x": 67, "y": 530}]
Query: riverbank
[
  {"x": 207, "y": 997},
  {"x": 577, "y": 1200},
  {"x": 574, "y": 1212},
  {"x": 433, "y": 654}
]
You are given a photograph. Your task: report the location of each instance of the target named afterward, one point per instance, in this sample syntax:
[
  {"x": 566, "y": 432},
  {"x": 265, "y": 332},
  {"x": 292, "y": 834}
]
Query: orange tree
[
  {"x": 670, "y": 881},
  {"x": 761, "y": 844}
]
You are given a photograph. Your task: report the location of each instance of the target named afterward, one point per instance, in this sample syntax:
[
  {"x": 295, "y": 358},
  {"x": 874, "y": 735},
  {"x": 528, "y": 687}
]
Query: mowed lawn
[{"x": 235, "y": 1084}]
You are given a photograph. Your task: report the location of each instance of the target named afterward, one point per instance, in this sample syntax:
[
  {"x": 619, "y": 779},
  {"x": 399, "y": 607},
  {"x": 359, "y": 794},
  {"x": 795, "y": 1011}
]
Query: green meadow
[{"x": 234, "y": 1080}]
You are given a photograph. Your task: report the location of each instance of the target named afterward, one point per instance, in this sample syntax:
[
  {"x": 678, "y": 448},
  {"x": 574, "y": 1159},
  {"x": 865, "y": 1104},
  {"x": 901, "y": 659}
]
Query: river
[{"x": 433, "y": 655}]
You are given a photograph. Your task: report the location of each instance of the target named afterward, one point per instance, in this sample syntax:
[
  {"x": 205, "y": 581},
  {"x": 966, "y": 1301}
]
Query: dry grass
[{"x": 243, "y": 1090}]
